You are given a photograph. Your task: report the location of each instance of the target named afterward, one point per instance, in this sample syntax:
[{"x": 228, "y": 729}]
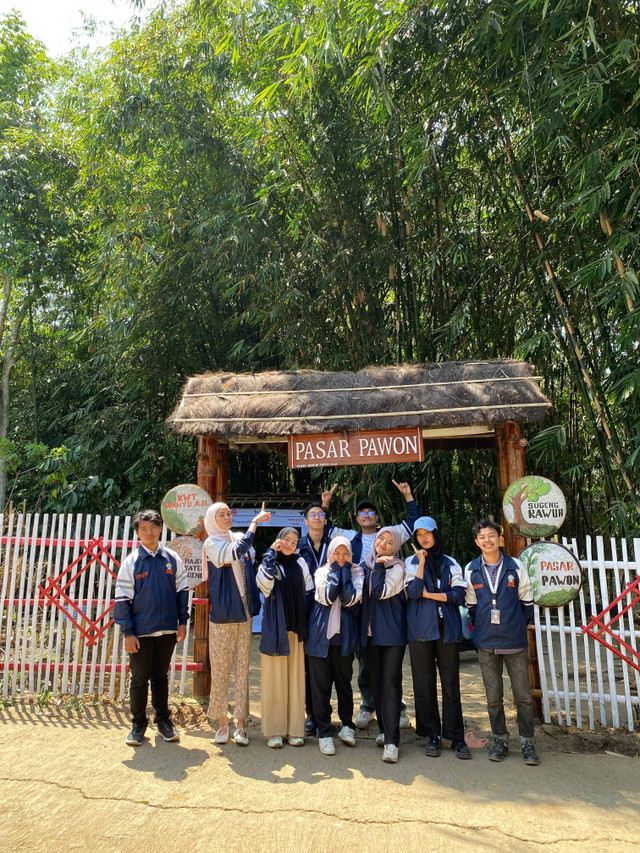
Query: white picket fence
[
  {"x": 42, "y": 650},
  {"x": 583, "y": 682}
]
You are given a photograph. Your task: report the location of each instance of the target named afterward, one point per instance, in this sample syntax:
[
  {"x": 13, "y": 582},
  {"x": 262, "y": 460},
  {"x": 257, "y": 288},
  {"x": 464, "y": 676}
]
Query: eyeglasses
[
  {"x": 316, "y": 515},
  {"x": 366, "y": 513}
]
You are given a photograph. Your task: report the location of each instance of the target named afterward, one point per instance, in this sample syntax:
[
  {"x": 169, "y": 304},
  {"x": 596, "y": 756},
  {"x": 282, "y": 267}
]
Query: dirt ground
[{"x": 68, "y": 782}]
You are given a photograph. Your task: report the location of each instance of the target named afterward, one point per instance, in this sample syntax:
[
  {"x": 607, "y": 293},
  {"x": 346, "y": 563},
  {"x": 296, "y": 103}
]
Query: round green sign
[
  {"x": 534, "y": 506},
  {"x": 184, "y": 508},
  {"x": 555, "y": 572}
]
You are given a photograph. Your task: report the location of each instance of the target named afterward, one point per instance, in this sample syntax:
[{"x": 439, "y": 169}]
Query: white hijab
[{"x": 219, "y": 536}]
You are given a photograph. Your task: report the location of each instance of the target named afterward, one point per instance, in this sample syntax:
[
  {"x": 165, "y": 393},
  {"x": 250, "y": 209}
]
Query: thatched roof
[{"x": 258, "y": 406}]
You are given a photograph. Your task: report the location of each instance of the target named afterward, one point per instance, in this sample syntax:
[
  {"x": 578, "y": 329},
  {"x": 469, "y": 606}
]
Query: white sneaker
[
  {"x": 295, "y": 741},
  {"x": 362, "y": 720},
  {"x": 390, "y": 753},
  {"x": 326, "y": 746},
  {"x": 275, "y": 742},
  {"x": 380, "y": 740},
  {"x": 240, "y": 737},
  {"x": 222, "y": 735},
  {"x": 347, "y": 735},
  {"x": 405, "y": 722}
]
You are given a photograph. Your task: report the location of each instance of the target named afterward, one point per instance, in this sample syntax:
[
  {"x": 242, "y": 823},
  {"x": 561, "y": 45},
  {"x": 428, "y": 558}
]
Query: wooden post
[
  {"x": 212, "y": 477},
  {"x": 512, "y": 466}
]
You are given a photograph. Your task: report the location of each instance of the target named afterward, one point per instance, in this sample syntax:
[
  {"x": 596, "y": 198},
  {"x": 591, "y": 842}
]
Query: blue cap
[{"x": 425, "y": 522}]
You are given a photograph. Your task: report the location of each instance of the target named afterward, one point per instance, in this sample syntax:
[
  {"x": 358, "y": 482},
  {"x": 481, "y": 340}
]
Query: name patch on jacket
[
  {"x": 143, "y": 575},
  {"x": 478, "y": 585}
]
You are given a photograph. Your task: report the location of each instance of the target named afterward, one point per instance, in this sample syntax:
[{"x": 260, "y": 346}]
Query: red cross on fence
[
  {"x": 54, "y": 591},
  {"x": 597, "y": 626}
]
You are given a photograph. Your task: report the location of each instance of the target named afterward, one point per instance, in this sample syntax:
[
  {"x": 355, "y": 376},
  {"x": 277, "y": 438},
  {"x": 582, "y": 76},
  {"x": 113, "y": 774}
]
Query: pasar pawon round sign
[
  {"x": 555, "y": 572},
  {"x": 534, "y": 506},
  {"x": 184, "y": 508},
  {"x": 189, "y": 549}
]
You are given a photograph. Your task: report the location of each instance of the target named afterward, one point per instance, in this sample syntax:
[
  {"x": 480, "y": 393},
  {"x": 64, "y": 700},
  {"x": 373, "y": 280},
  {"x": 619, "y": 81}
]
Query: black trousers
[
  {"x": 385, "y": 666},
  {"x": 336, "y": 669},
  {"x": 308, "y": 702},
  {"x": 151, "y": 664},
  {"x": 424, "y": 658},
  {"x": 364, "y": 683}
]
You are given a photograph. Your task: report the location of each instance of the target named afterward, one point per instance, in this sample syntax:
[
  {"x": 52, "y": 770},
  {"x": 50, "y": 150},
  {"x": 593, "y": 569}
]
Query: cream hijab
[{"x": 217, "y": 536}]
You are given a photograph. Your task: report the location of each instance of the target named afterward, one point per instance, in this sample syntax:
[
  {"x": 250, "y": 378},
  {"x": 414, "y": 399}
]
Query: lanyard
[{"x": 493, "y": 587}]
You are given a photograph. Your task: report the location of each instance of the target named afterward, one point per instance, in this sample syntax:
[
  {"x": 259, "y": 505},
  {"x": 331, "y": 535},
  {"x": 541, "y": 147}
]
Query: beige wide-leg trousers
[
  {"x": 229, "y": 648},
  {"x": 282, "y": 679}
]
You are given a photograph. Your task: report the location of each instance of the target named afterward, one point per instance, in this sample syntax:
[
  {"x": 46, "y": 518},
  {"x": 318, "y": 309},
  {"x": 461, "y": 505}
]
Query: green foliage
[{"x": 244, "y": 186}]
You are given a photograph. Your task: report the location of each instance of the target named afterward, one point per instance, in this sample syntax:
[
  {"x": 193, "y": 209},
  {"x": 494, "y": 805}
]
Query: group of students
[{"x": 327, "y": 597}]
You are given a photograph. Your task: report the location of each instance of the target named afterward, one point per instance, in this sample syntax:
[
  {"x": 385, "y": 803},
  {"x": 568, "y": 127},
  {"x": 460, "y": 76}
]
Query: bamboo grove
[{"x": 250, "y": 185}]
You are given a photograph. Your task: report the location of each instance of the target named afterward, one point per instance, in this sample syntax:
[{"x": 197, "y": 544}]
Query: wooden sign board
[
  {"x": 184, "y": 508},
  {"x": 534, "y": 506},
  {"x": 189, "y": 549},
  {"x": 555, "y": 572},
  {"x": 367, "y": 447}
]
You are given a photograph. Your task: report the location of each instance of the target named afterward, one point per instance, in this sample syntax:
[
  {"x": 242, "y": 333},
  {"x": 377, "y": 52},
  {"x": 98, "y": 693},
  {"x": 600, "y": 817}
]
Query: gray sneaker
[
  {"x": 529, "y": 752},
  {"x": 136, "y": 735},
  {"x": 166, "y": 730}
]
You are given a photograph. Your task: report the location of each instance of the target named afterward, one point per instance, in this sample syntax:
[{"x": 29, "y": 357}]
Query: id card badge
[{"x": 495, "y": 616}]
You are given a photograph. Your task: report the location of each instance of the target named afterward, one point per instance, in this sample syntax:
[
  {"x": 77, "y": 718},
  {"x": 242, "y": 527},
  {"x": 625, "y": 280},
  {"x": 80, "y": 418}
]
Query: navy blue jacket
[
  {"x": 333, "y": 582},
  {"x": 225, "y": 597},
  {"x": 386, "y": 608},
  {"x": 274, "y": 640},
  {"x": 306, "y": 550},
  {"x": 152, "y": 593},
  {"x": 515, "y": 612},
  {"x": 422, "y": 613}
]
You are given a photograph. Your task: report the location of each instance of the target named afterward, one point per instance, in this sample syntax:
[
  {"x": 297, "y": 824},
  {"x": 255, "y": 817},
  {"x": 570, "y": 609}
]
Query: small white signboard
[{"x": 189, "y": 549}]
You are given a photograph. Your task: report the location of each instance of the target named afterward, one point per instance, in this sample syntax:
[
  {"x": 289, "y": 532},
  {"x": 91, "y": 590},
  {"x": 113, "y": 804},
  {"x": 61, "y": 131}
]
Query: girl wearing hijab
[
  {"x": 383, "y": 633},
  {"x": 228, "y": 569},
  {"x": 435, "y": 588},
  {"x": 333, "y": 639},
  {"x": 284, "y": 579}
]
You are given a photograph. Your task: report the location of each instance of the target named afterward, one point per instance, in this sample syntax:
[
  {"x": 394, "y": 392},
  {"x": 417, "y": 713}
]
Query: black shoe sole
[
  {"x": 532, "y": 762},
  {"x": 497, "y": 757},
  {"x": 130, "y": 742},
  {"x": 462, "y": 756},
  {"x": 432, "y": 754}
]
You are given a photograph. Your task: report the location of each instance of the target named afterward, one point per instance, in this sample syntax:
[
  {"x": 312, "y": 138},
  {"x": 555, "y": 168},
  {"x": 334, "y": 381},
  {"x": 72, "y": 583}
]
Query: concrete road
[{"x": 68, "y": 782}]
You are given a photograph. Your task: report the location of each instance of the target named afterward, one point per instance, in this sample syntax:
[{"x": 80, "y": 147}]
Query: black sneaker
[
  {"x": 165, "y": 728},
  {"x": 461, "y": 749},
  {"x": 136, "y": 735},
  {"x": 498, "y": 750},
  {"x": 529, "y": 752},
  {"x": 433, "y": 747},
  {"x": 310, "y": 726}
]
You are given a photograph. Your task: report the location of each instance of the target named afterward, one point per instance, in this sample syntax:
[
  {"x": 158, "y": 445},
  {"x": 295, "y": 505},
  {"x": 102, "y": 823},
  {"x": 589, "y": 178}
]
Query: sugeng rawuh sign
[
  {"x": 534, "y": 506},
  {"x": 367, "y": 447}
]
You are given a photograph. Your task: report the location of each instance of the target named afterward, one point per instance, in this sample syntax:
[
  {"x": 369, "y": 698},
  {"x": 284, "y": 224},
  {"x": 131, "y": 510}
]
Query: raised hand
[
  {"x": 262, "y": 516},
  {"x": 328, "y": 494},
  {"x": 421, "y": 554},
  {"x": 404, "y": 488}
]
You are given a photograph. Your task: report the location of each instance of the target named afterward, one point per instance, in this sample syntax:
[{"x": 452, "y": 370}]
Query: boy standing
[
  {"x": 500, "y": 604},
  {"x": 151, "y": 608}
]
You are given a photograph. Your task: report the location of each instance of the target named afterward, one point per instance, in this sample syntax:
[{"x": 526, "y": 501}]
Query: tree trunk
[{"x": 9, "y": 358}]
